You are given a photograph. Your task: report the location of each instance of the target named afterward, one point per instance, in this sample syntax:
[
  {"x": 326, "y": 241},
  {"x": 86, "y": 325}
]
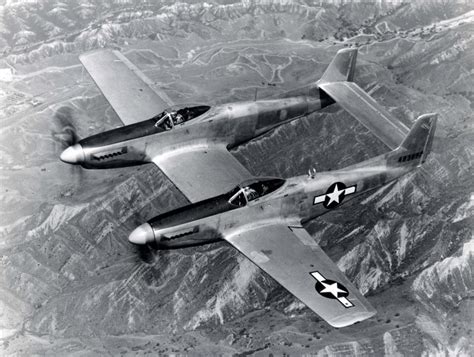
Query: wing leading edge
[
  {"x": 126, "y": 88},
  {"x": 293, "y": 259},
  {"x": 202, "y": 172}
]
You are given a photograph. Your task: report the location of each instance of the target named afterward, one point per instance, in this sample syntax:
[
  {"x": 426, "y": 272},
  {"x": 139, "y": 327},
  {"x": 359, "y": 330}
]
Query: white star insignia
[
  {"x": 332, "y": 289},
  {"x": 334, "y": 196}
]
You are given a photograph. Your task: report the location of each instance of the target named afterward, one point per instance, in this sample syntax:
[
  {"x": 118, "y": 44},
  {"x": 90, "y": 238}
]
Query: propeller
[
  {"x": 156, "y": 262},
  {"x": 65, "y": 132},
  {"x": 65, "y": 135},
  {"x": 145, "y": 253}
]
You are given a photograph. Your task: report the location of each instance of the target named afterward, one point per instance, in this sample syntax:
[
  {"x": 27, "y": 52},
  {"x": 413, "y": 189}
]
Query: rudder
[{"x": 417, "y": 145}]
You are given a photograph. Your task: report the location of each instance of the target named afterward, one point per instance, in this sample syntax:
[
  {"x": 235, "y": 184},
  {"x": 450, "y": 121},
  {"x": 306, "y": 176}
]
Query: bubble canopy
[
  {"x": 178, "y": 114},
  {"x": 165, "y": 120},
  {"x": 252, "y": 189},
  {"x": 236, "y": 198}
]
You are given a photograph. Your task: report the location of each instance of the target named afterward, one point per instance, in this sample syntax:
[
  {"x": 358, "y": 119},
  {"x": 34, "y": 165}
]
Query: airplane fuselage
[
  {"x": 228, "y": 124},
  {"x": 297, "y": 201}
]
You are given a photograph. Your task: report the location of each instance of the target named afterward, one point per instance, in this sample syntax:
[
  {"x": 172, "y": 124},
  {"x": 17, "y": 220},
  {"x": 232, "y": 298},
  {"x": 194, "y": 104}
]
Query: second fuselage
[{"x": 293, "y": 201}]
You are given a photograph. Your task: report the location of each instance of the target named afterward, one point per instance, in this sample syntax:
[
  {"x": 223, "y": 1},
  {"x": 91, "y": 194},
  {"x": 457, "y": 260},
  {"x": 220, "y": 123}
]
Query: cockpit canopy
[
  {"x": 177, "y": 115},
  {"x": 253, "y": 189}
]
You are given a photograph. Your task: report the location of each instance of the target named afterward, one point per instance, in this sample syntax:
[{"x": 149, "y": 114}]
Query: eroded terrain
[{"x": 70, "y": 281}]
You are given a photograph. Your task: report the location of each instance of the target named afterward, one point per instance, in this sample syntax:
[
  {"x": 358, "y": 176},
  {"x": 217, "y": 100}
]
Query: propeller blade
[
  {"x": 145, "y": 253},
  {"x": 65, "y": 131}
]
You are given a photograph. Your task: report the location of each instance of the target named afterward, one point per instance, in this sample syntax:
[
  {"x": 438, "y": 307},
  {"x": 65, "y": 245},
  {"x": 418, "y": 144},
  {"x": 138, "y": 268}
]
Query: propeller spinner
[{"x": 73, "y": 154}]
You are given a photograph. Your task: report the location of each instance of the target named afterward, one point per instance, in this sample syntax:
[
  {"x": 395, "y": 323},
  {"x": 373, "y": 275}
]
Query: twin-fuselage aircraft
[{"x": 262, "y": 217}]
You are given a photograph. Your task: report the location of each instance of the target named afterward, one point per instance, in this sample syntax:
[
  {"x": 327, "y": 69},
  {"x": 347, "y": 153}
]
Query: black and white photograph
[{"x": 237, "y": 178}]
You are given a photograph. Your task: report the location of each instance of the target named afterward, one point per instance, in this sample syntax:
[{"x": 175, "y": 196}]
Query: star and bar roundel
[
  {"x": 334, "y": 195},
  {"x": 331, "y": 289}
]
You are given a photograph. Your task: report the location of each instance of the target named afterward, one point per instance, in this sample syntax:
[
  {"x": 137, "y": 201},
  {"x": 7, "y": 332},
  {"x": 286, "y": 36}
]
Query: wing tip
[{"x": 348, "y": 320}]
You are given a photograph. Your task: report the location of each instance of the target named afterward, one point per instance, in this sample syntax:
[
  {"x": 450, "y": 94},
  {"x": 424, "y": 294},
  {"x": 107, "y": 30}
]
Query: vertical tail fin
[
  {"x": 342, "y": 67},
  {"x": 417, "y": 144}
]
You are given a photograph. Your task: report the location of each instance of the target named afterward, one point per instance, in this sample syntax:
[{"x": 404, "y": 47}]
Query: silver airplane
[
  {"x": 261, "y": 217},
  {"x": 196, "y": 138}
]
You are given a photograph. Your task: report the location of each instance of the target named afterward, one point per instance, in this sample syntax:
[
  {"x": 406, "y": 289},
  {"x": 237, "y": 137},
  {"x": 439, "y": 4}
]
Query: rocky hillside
[
  {"x": 32, "y": 31},
  {"x": 71, "y": 283}
]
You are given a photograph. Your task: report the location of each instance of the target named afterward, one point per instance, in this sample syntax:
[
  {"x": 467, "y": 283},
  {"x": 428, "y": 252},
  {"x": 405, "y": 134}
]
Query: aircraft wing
[
  {"x": 293, "y": 259},
  {"x": 367, "y": 111},
  {"x": 126, "y": 88},
  {"x": 202, "y": 172}
]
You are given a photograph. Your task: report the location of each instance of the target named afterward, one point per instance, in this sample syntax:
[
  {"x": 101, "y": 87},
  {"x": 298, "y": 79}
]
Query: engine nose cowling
[{"x": 142, "y": 235}]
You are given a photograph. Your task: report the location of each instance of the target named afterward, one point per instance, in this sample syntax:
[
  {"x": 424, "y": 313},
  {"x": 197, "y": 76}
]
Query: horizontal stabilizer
[{"x": 367, "y": 111}]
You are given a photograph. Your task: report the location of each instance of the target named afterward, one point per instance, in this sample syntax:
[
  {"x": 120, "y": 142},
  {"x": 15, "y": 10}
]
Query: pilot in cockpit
[
  {"x": 177, "y": 118},
  {"x": 250, "y": 193},
  {"x": 168, "y": 120}
]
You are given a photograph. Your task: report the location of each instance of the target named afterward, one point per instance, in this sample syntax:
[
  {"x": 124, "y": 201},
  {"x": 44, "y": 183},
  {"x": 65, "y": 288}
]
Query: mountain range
[{"x": 70, "y": 283}]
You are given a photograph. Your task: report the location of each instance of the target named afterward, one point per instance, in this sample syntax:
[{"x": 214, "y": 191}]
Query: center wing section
[
  {"x": 202, "y": 172},
  {"x": 367, "y": 111},
  {"x": 293, "y": 259},
  {"x": 126, "y": 88}
]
